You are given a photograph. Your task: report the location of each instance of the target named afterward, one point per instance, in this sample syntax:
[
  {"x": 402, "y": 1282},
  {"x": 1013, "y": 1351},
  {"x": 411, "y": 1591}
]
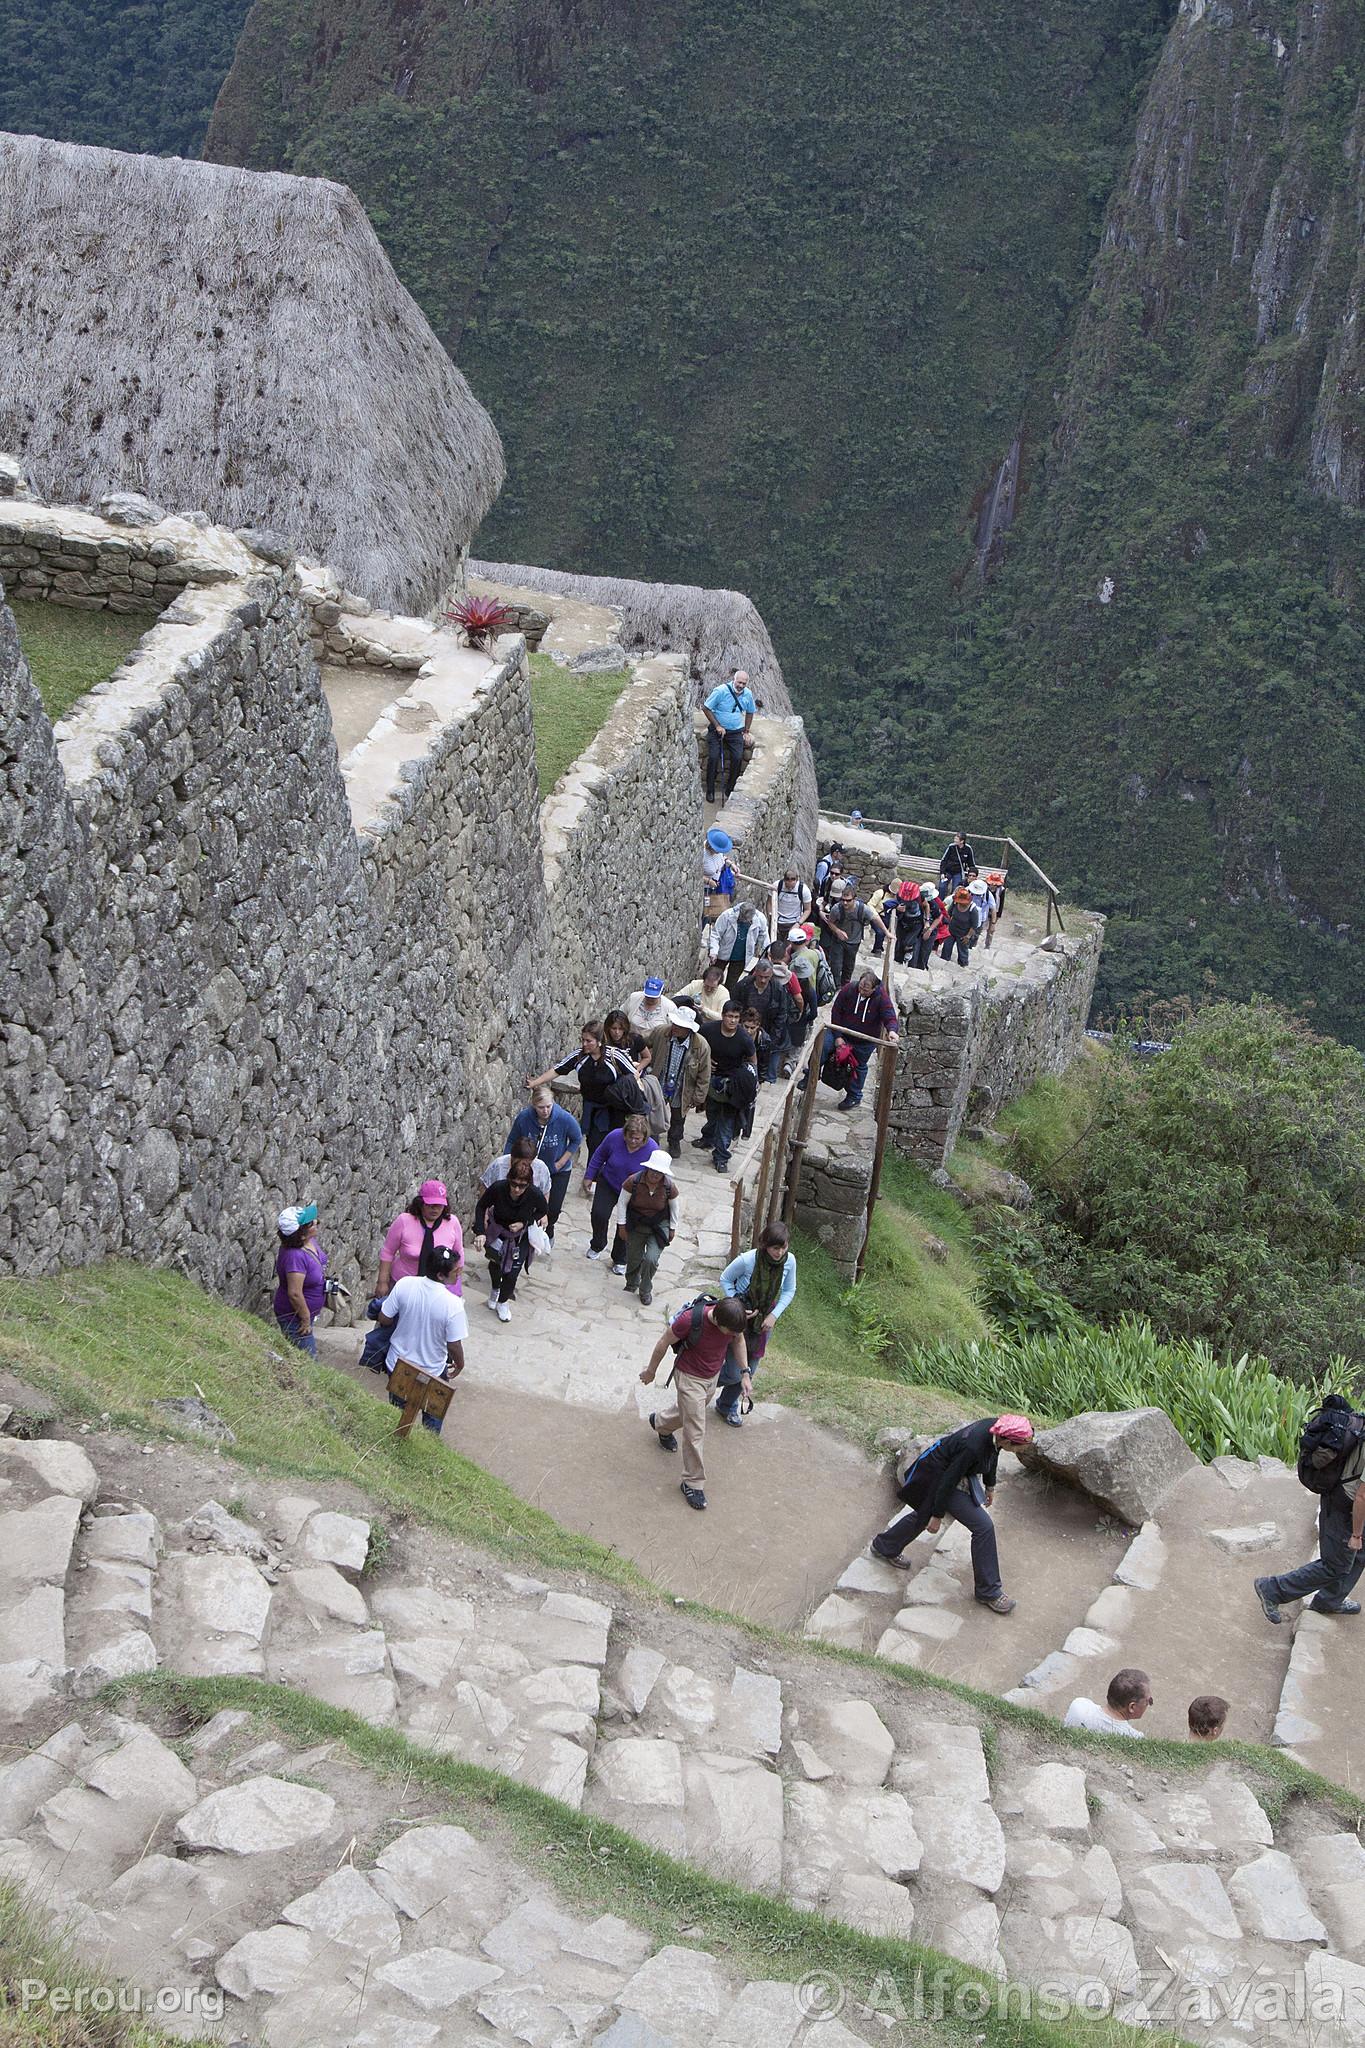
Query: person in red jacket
[{"x": 864, "y": 1006}]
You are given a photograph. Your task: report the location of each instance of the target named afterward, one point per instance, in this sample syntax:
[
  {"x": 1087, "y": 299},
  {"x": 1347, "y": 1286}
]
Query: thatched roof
[
  {"x": 718, "y": 630},
  {"x": 237, "y": 341}
]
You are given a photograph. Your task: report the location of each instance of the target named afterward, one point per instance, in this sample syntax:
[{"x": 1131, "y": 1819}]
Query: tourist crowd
[{"x": 703, "y": 1050}]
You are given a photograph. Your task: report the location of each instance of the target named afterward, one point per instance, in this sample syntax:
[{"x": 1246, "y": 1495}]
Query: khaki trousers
[{"x": 691, "y": 1398}]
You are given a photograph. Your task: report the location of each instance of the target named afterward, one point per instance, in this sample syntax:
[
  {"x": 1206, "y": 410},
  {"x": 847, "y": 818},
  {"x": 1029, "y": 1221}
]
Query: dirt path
[{"x": 786, "y": 1502}]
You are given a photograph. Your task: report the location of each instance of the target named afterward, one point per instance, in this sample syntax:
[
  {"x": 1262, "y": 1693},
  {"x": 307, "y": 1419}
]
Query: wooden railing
[
  {"x": 768, "y": 1177},
  {"x": 942, "y": 834}
]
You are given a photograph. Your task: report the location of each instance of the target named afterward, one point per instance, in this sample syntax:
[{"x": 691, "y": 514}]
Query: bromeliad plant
[{"x": 480, "y": 619}]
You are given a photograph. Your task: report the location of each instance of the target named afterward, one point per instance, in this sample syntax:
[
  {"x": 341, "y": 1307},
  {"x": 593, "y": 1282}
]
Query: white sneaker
[
  {"x": 597, "y": 1255},
  {"x": 619, "y": 1271},
  {"x": 504, "y": 1312}
]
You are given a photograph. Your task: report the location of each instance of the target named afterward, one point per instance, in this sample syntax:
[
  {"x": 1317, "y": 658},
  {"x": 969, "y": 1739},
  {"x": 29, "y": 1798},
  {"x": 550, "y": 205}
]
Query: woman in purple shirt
[
  {"x": 301, "y": 1271},
  {"x": 620, "y": 1154}
]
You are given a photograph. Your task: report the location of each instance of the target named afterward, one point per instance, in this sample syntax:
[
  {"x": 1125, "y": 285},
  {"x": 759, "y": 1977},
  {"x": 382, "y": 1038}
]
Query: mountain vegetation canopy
[{"x": 793, "y": 300}]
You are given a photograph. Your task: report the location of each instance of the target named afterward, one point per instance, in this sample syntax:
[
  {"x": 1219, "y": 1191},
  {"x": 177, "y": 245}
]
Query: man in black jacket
[
  {"x": 956, "y": 1476},
  {"x": 957, "y": 860}
]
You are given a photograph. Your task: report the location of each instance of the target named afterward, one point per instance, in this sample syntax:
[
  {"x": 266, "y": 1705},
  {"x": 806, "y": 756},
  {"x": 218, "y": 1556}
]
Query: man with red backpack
[
  {"x": 700, "y": 1337},
  {"x": 1332, "y": 1464}
]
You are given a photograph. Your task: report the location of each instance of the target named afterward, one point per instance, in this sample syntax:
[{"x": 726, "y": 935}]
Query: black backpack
[
  {"x": 696, "y": 1316},
  {"x": 1330, "y": 1435}
]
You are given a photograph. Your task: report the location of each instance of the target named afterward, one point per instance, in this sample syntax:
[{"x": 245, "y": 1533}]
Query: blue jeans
[
  {"x": 722, "y": 1118},
  {"x": 861, "y": 1053},
  {"x": 431, "y": 1422},
  {"x": 290, "y": 1326},
  {"x": 1336, "y": 1570},
  {"x": 374, "y": 1351}
]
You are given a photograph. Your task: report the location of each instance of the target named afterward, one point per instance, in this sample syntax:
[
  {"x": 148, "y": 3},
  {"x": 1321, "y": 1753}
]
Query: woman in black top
[
  {"x": 956, "y": 1476},
  {"x": 596, "y": 1067},
  {"x": 503, "y": 1217}
]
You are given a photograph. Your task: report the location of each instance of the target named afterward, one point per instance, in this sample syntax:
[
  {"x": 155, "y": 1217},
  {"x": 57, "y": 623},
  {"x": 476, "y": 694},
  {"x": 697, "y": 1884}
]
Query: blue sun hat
[{"x": 719, "y": 841}]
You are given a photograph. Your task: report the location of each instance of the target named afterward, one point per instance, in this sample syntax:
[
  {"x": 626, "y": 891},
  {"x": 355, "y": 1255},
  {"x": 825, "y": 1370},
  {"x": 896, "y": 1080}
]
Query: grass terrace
[
  {"x": 569, "y": 713},
  {"x": 69, "y": 650}
]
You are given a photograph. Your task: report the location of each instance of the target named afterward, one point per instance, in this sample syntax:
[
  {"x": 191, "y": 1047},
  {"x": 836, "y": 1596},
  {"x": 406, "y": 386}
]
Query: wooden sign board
[{"x": 419, "y": 1393}]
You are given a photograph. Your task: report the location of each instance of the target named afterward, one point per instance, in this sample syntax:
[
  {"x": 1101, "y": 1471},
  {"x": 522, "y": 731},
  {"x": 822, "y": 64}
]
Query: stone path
[
  {"x": 1172, "y": 1598},
  {"x": 844, "y": 1792}
]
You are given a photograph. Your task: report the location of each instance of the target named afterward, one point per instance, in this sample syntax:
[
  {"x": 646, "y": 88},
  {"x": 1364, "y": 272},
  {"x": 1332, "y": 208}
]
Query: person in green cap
[{"x": 301, "y": 1274}]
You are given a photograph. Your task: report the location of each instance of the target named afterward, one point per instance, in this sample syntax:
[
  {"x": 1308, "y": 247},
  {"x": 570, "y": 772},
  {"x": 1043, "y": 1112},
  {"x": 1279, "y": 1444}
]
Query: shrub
[
  {"x": 1218, "y": 1190},
  {"x": 1242, "y": 1408}
]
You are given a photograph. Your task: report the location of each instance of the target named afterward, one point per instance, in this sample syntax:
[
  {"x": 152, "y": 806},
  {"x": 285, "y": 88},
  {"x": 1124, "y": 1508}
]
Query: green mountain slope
[
  {"x": 123, "y": 74},
  {"x": 1191, "y": 751},
  {"x": 757, "y": 294}
]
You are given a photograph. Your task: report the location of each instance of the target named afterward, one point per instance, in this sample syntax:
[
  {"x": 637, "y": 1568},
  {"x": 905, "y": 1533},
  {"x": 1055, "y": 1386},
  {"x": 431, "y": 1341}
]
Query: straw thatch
[
  {"x": 717, "y": 630},
  {"x": 234, "y": 341}
]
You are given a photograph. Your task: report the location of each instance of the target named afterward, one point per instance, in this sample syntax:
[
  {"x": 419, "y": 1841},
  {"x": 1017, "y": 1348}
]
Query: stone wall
[
  {"x": 622, "y": 835},
  {"x": 236, "y": 975},
  {"x": 763, "y": 814},
  {"x": 995, "y": 1035}
]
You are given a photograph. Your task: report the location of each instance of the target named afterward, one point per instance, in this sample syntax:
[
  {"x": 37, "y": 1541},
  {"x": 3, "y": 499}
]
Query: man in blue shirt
[
  {"x": 729, "y": 714},
  {"x": 556, "y": 1136}
]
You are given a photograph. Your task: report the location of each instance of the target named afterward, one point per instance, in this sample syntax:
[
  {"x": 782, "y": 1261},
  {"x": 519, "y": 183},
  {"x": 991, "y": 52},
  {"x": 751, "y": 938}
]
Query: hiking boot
[
  {"x": 1270, "y": 1606},
  {"x": 700, "y": 1144},
  {"x": 630, "y": 1284},
  {"x": 733, "y": 1417},
  {"x": 693, "y": 1495},
  {"x": 666, "y": 1443},
  {"x": 722, "y": 1165},
  {"x": 1002, "y": 1604},
  {"x": 900, "y": 1563},
  {"x": 849, "y": 1102},
  {"x": 646, "y": 1295},
  {"x": 1319, "y": 1606}
]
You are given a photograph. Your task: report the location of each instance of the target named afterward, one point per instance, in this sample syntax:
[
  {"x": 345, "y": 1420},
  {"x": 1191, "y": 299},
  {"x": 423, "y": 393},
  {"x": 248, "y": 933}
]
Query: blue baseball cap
[{"x": 654, "y": 986}]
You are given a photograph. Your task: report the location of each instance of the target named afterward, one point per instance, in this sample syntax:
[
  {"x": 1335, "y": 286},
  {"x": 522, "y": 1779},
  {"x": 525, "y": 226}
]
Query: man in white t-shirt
[
  {"x": 1127, "y": 1700},
  {"x": 427, "y": 1324}
]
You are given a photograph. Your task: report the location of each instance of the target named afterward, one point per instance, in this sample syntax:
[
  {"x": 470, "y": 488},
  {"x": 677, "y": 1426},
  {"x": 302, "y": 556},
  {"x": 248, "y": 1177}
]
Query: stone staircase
[
  {"x": 844, "y": 1791},
  {"x": 1173, "y": 1597}
]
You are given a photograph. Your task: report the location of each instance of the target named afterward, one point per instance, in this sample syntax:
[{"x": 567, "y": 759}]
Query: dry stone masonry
[{"x": 225, "y": 1867}]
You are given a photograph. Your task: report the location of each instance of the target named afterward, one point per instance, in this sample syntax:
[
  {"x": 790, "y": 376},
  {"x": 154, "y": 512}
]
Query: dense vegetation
[
  {"x": 761, "y": 296},
  {"x": 125, "y": 74},
  {"x": 1218, "y": 1190}
]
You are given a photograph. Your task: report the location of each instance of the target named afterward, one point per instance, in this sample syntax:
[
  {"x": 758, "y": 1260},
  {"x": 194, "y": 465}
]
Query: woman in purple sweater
[{"x": 620, "y": 1154}]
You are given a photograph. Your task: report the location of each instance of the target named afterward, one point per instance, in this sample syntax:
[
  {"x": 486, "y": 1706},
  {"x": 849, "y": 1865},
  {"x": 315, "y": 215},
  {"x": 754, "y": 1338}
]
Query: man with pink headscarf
[{"x": 956, "y": 1476}]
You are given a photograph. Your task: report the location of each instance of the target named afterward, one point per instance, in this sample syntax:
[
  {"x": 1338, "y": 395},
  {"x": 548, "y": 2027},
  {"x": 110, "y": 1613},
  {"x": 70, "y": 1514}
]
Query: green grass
[
  {"x": 569, "y": 713},
  {"x": 31, "y": 1948},
  {"x": 69, "y": 651},
  {"x": 1241, "y": 1408},
  {"x": 599, "y": 1868},
  {"x": 116, "y": 1338},
  {"x": 835, "y": 1353}
]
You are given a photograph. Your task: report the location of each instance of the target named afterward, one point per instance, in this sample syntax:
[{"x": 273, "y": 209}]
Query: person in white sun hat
[{"x": 648, "y": 1214}]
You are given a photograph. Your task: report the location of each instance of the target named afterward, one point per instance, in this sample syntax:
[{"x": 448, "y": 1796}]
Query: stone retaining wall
[
  {"x": 763, "y": 814},
  {"x": 622, "y": 834},
  {"x": 994, "y": 1035}
]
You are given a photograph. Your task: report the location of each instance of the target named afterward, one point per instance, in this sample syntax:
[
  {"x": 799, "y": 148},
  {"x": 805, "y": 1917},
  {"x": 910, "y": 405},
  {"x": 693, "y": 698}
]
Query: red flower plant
[{"x": 479, "y": 618}]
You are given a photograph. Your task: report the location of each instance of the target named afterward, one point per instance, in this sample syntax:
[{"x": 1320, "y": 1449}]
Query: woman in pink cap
[
  {"x": 409, "y": 1241},
  {"x": 956, "y": 1476}
]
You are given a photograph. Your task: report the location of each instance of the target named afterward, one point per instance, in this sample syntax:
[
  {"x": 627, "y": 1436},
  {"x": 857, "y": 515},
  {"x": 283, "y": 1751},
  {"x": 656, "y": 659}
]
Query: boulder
[
  {"x": 130, "y": 508},
  {"x": 261, "y": 1815},
  {"x": 1126, "y": 1462}
]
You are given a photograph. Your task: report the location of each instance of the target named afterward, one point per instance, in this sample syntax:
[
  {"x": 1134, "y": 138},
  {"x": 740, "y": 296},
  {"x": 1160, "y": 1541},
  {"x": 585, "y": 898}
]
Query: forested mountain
[
  {"x": 1005, "y": 355},
  {"x": 123, "y": 74}
]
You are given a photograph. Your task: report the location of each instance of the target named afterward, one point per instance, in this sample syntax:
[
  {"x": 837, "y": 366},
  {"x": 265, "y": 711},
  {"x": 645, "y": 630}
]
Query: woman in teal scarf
[{"x": 764, "y": 1279}]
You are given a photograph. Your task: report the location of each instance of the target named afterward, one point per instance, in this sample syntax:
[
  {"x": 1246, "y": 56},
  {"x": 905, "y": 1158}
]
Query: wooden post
[
  {"x": 886, "y": 1074},
  {"x": 803, "y": 1124},
  {"x": 1049, "y": 911},
  {"x": 737, "y": 1218}
]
